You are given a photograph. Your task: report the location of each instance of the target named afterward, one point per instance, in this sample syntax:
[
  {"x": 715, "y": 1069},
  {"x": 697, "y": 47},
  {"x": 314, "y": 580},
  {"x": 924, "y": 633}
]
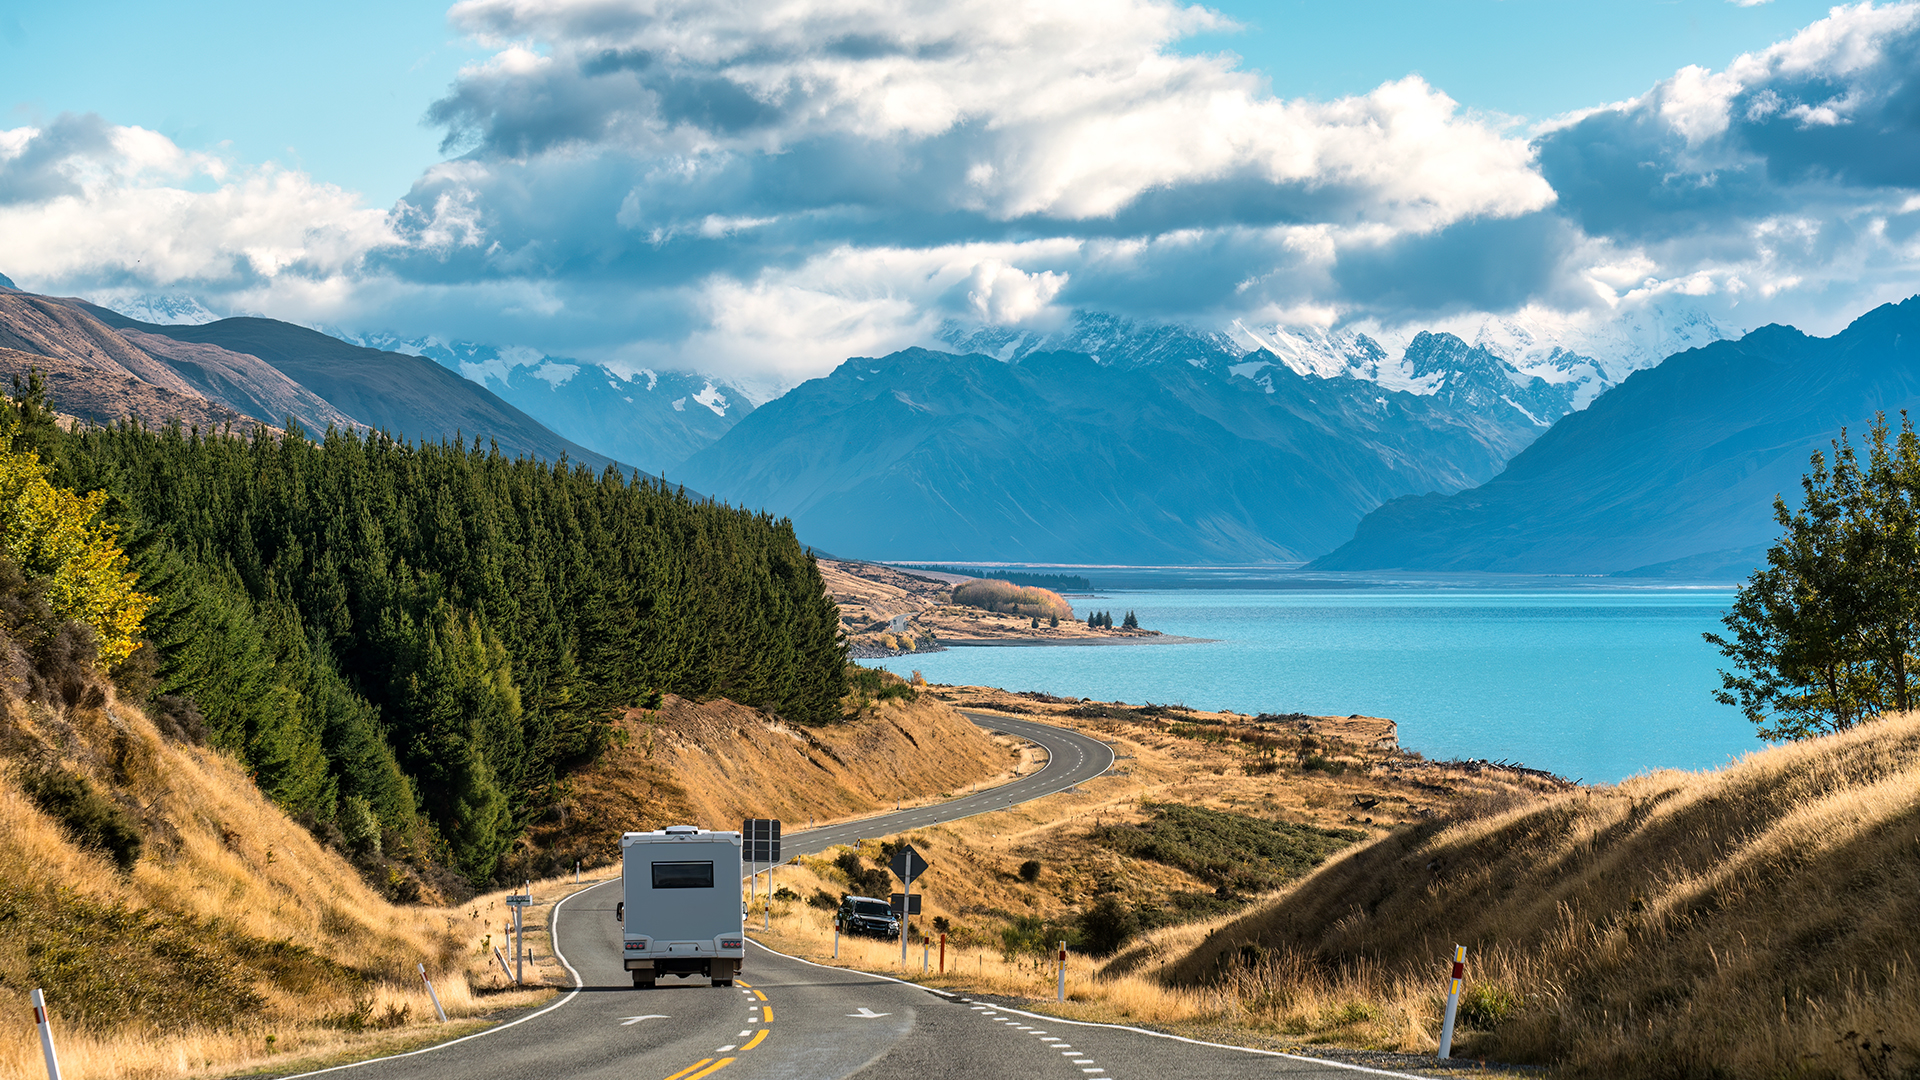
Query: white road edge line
[
  {"x": 553, "y": 937},
  {"x": 1110, "y": 1027}
]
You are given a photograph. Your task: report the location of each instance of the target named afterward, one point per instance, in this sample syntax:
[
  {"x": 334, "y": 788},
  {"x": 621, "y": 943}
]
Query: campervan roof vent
[{"x": 681, "y": 830}]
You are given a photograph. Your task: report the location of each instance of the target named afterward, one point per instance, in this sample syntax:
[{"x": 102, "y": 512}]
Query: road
[{"x": 787, "y": 1019}]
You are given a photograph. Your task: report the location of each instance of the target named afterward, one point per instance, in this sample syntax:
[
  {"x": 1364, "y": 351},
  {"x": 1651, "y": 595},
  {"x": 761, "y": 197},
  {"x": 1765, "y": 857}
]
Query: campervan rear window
[{"x": 683, "y": 875}]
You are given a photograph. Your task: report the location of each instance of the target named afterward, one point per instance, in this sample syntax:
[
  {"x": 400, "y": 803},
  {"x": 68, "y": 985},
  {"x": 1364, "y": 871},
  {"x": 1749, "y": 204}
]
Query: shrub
[
  {"x": 1230, "y": 851},
  {"x": 1013, "y": 599},
  {"x": 1488, "y": 1005},
  {"x": 90, "y": 818},
  {"x": 1030, "y": 871},
  {"x": 823, "y": 900},
  {"x": 863, "y": 879},
  {"x": 1320, "y": 763},
  {"x": 1107, "y": 925}
]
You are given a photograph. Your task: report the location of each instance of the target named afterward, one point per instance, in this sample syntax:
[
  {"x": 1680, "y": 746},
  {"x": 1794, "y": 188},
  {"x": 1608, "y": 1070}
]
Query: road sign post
[
  {"x": 518, "y": 903},
  {"x": 760, "y": 843},
  {"x": 907, "y": 865}
]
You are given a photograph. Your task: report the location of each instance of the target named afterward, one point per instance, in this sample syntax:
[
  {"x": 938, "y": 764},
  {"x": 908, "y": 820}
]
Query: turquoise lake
[{"x": 1590, "y": 683}]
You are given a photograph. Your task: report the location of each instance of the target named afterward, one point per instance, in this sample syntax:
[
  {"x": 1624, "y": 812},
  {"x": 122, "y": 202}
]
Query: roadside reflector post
[
  {"x": 442, "y": 1013},
  {"x": 925, "y": 948},
  {"x": 943, "y": 954},
  {"x": 1453, "y": 1001},
  {"x": 1062, "y": 994},
  {"x": 46, "y": 1034},
  {"x": 766, "y": 913},
  {"x": 836, "y": 939},
  {"x": 502, "y": 957}
]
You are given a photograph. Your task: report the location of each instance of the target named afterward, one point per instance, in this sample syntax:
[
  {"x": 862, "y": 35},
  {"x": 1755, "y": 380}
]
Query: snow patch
[
  {"x": 713, "y": 399},
  {"x": 556, "y": 375}
]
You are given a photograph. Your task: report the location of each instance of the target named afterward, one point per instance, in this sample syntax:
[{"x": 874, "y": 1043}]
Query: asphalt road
[{"x": 787, "y": 1019}]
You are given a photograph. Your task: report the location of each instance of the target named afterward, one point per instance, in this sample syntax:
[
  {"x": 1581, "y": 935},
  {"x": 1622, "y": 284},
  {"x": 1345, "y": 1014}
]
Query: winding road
[{"x": 788, "y": 1019}]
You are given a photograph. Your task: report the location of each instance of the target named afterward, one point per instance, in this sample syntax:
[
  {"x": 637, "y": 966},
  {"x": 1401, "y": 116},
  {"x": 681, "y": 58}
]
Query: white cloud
[
  {"x": 126, "y": 205},
  {"x": 759, "y": 190}
]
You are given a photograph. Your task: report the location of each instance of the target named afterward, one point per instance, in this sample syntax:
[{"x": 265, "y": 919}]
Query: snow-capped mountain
[
  {"x": 653, "y": 419},
  {"x": 157, "y": 310}
]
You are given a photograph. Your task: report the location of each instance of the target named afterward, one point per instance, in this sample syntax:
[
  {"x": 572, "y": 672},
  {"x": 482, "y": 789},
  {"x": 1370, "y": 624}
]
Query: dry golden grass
[
  {"x": 1752, "y": 921},
  {"x": 715, "y": 763},
  {"x": 974, "y": 882},
  {"x": 226, "y": 876}
]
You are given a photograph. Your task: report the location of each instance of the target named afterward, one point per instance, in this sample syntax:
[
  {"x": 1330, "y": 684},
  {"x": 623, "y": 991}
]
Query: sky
[{"x": 760, "y": 190}]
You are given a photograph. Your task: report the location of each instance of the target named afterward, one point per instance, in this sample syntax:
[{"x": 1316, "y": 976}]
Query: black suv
[{"x": 865, "y": 915}]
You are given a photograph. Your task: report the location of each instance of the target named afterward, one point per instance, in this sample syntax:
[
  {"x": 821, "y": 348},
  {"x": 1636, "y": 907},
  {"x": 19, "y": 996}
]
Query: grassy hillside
[
  {"x": 1754, "y": 921},
  {"x": 715, "y": 763},
  {"x": 232, "y": 936}
]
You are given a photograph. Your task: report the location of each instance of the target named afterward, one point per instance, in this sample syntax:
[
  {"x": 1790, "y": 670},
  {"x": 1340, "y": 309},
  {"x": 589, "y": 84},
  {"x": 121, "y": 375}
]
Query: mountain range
[
  {"x": 656, "y": 420},
  {"x": 1673, "y": 472},
  {"x": 1059, "y": 457},
  {"x": 105, "y": 366}
]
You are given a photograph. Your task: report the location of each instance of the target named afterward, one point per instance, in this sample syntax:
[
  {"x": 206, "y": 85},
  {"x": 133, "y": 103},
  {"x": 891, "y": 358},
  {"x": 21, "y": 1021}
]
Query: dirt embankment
[{"x": 714, "y": 763}]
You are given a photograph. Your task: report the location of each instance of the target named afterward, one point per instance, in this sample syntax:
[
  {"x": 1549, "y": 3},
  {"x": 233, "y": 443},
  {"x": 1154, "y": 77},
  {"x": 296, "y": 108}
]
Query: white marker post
[
  {"x": 1062, "y": 995},
  {"x": 435, "y": 997},
  {"x": 924, "y": 947},
  {"x": 1453, "y": 1001},
  {"x": 502, "y": 957},
  {"x": 836, "y": 939},
  {"x": 46, "y": 1034}
]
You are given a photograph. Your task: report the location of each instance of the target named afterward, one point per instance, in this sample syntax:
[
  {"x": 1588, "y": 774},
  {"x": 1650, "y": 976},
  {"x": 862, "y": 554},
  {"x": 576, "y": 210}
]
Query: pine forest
[{"x": 416, "y": 642}]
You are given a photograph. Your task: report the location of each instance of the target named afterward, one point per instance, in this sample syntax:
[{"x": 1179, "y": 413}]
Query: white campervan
[{"x": 681, "y": 914}]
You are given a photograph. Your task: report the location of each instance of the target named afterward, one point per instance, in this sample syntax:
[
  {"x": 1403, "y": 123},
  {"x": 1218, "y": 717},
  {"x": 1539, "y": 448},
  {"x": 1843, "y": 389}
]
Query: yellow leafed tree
[{"x": 58, "y": 536}]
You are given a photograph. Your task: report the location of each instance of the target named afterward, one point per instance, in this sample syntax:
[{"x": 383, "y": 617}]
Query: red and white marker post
[
  {"x": 1453, "y": 1001},
  {"x": 46, "y": 1034},
  {"x": 430, "y": 994},
  {"x": 1062, "y": 996}
]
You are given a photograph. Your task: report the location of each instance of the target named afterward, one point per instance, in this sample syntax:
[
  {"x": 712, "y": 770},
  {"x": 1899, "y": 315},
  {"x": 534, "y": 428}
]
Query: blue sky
[
  {"x": 760, "y": 191},
  {"x": 342, "y": 89}
]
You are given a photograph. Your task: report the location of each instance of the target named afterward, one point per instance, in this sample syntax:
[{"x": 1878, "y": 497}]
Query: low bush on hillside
[
  {"x": 1010, "y": 599},
  {"x": 866, "y": 685},
  {"x": 1231, "y": 851},
  {"x": 92, "y": 819}
]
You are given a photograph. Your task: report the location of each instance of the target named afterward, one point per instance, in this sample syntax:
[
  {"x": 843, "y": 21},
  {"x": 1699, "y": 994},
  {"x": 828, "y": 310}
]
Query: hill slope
[
  {"x": 409, "y": 396},
  {"x": 925, "y": 455},
  {"x": 1754, "y": 921},
  {"x": 1676, "y": 461}
]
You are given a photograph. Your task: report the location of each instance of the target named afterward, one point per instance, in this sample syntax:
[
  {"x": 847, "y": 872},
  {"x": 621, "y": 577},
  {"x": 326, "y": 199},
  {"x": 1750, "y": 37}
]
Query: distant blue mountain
[
  {"x": 1054, "y": 457},
  {"x": 7, "y": 283},
  {"x": 1671, "y": 472}
]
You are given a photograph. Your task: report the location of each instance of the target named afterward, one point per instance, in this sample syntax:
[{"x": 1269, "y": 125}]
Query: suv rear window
[
  {"x": 871, "y": 907},
  {"x": 683, "y": 875}
]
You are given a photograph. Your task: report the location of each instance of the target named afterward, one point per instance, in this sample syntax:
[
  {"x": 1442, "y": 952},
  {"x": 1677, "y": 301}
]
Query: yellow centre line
[
  {"x": 758, "y": 1036},
  {"x": 711, "y": 1069},
  {"x": 682, "y": 1074},
  {"x": 766, "y": 1012},
  {"x": 744, "y": 983},
  {"x": 760, "y": 995}
]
